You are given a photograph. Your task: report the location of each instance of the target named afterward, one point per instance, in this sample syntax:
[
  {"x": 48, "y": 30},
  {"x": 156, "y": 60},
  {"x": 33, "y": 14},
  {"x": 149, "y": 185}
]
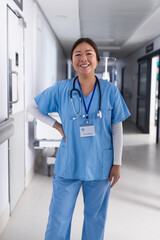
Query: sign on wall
[{"x": 149, "y": 48}]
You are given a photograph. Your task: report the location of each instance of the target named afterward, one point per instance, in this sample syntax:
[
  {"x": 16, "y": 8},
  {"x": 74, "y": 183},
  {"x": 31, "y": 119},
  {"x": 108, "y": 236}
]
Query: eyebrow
[{"x": 89, "y": 50}]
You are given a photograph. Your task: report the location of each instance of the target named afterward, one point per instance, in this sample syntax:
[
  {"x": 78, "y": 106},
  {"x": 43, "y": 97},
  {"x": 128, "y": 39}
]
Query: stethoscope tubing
[{"x": 75, "y": 89}]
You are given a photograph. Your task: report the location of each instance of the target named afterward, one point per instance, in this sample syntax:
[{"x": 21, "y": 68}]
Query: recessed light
[
  {"x": 61, "y": 16},
  {"x": 104, "y": 39},
  {"x": 109, "y": 47}
]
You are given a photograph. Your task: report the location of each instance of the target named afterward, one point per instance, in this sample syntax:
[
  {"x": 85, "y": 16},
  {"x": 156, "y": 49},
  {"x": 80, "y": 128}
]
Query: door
[
  {"x": 122, "y": 77},
  {"x": 154, "y": 123},
  {"x": 143, "y": 96},
  {"x": 158, "y": 111},
  {"x": 16, "y": 107}
]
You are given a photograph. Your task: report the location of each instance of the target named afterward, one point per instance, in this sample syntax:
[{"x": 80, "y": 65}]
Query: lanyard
[{"x": 87, "y": 109}]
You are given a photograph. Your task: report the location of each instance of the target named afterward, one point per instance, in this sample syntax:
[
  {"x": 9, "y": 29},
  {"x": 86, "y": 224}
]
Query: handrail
[{"x": 6, "y": 129}]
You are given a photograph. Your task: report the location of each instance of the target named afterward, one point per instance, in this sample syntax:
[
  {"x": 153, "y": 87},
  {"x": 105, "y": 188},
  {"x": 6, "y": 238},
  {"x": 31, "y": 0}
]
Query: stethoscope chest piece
[{"x": 99, "y": 114}]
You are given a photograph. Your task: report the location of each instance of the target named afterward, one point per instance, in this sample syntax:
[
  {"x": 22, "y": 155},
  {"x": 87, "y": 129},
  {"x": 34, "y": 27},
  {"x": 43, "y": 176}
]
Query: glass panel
[
  {"x": 143, "y": 79},
  {"x": 141, "y": 113}
]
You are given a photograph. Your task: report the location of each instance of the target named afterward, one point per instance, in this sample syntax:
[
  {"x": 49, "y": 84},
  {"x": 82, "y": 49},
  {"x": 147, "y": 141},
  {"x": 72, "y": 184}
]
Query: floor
[{"x": 134, "y": 207}]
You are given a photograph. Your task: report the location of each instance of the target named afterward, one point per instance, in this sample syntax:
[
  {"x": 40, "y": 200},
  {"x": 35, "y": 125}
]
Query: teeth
[{"x": 84, "y": 65}]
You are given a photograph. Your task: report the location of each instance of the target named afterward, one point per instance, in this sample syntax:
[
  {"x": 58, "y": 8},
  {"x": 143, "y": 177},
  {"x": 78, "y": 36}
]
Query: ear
[
  {"x": 72, "y": 61},
  {"x": 97, "y": 63}
]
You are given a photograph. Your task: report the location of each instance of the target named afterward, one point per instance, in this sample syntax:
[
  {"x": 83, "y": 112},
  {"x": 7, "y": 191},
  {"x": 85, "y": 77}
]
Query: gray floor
[{"x": 134, "y": 207}]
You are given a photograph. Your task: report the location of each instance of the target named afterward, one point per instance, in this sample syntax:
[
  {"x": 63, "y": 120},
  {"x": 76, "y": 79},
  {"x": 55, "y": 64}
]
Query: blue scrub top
[{"x": 84, "y": 158}]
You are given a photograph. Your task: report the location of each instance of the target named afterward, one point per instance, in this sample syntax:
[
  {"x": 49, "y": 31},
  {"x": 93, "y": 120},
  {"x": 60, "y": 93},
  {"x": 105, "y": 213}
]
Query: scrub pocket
[
  {"x": 61, "y": 161},
  {"x": 107, "y": 156},
  {"x": 103, "y": 124},
  {"x": 107, "y": 115}
]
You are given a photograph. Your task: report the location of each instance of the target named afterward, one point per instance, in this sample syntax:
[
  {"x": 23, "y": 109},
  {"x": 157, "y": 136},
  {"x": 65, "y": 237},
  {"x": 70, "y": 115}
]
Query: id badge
[{"x": 87, "y": 131}]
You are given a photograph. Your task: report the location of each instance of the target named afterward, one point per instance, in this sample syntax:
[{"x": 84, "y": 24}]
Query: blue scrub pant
[{"x": 65, "y": 192}]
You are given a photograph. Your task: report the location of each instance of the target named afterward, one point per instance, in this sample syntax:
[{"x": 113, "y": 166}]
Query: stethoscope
[{"x": 99, "y": 114}]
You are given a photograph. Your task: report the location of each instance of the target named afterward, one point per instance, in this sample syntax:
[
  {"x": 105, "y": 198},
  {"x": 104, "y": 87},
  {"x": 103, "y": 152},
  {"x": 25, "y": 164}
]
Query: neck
[
  {"x": 87, "y": 80},
  {"x": 87, "y": 84}
]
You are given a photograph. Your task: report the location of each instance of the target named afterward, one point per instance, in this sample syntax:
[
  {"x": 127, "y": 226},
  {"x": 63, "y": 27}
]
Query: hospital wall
[
  {"x": 45, "y": 63},
  {"x": 50, "y": 64},
  {"x": 131, "y": 76}
]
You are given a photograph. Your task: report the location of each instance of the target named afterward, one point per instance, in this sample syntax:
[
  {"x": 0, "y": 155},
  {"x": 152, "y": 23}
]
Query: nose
[{"x": 83, "y": 57}]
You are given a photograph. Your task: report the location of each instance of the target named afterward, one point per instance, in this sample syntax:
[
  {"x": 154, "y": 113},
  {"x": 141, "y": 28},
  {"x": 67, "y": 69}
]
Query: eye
[
  {"x": 77, "y": 55},
  {"x": 89, "y": 53}
]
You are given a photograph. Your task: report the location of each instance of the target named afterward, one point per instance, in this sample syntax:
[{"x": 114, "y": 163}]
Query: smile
[{"x": 84, "y": 65}]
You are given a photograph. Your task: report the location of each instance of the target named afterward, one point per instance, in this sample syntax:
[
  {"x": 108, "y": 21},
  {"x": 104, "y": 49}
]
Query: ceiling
[{"x": 118, "y": 27}]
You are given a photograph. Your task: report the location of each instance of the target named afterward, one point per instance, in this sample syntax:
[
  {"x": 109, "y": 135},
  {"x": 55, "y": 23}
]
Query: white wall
[
  {"x": 44, "y": 52},
  {"x": 131, "y": 76},
  {"x": 50, "y": 60},
  {"x": 29, "y": 14}
]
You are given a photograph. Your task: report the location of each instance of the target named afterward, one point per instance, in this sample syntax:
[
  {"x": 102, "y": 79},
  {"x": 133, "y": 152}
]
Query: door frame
[
  {"x": 146, "y": 98},
  {"x": 122, "y": 82},
  {"x": 149, "y": 59}
]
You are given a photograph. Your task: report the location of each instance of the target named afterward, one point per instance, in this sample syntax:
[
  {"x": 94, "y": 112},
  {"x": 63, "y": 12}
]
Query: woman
[{"x": 91, "y": 111}]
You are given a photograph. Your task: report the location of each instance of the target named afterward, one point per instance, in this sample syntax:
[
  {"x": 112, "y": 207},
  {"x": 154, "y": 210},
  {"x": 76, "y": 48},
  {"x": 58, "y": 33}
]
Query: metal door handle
[{"x": 16, "y": 73}]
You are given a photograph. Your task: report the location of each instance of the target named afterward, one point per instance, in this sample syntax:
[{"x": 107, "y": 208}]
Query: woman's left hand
[{"x": 115, "y": 174}]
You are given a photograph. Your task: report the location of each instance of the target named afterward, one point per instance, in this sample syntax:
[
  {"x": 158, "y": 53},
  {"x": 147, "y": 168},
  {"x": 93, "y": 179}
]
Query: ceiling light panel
[{"x": 113, "y": 19}]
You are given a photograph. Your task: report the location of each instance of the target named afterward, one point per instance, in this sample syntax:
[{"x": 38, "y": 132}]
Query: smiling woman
[{"x": 89, "y": 155}]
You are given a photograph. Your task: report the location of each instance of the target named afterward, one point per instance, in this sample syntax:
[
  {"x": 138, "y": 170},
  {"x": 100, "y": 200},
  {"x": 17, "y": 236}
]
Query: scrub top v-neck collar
[{"x": 87, "y": 108}]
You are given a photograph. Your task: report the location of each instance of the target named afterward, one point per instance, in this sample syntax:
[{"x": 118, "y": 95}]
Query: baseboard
[
  {"x": 29, "y": 177},
  {"x": 4, "y": 218}
]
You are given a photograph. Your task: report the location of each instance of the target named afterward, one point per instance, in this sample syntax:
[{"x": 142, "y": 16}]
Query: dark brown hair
[{"x": 90, "y": 42}]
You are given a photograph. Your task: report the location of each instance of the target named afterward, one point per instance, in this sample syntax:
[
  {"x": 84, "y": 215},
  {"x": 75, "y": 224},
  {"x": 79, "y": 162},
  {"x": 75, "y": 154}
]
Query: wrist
[
  {"x": 117, "y": 166},
  {"x": 56, "y": 125}
]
